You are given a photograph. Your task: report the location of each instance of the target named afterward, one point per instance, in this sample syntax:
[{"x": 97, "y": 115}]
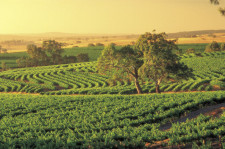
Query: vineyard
[
  {"x": 109, "y": 121},
  {"x": 105, "y": 121},
  {"x": 82, "y": 78}
]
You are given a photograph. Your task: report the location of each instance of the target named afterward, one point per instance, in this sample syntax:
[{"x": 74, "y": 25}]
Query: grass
[
  {"x": 93, "y": 52},
  {"x": 198, "y": 47},
  {"x": 10, "y": 58}
]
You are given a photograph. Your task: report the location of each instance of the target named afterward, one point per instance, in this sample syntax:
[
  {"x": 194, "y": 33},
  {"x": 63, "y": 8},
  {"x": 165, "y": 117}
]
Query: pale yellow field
[
  {"x": 71, "y": 40},
  {"x": 207, "y": 38}
]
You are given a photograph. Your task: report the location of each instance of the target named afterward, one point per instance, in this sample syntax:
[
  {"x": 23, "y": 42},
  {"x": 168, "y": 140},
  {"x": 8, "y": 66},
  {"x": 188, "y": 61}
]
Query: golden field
[{"x": 18, "y": 43}]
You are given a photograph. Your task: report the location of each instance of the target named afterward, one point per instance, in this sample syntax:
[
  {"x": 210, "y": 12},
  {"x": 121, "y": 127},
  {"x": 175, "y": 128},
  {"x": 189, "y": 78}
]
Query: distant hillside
[
  {"x": 188, "y": 34},
  {"x": 19, "y": 42}
]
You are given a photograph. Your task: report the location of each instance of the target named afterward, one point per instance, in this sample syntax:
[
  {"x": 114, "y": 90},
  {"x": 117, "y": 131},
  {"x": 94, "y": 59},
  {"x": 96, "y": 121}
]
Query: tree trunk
[
  {"x": 138, "y": 87},
  {"x": 157, "y": 90}
]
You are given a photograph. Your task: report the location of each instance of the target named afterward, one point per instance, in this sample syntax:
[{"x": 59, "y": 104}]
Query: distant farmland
[{"x": 93, "y": 52}]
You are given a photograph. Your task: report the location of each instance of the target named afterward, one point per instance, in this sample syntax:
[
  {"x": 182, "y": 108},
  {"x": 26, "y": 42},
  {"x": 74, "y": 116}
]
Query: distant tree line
[
  {"x": 2, "y": 50},
  {"x": 97, "y": 44},
  {"x": 211, "y": 47},
  {"x": 50, "y": 53},
  {"x": 16, "y": 42},
  {"x": 193, "y": 34},
  {"x": 214, "y": 46}
]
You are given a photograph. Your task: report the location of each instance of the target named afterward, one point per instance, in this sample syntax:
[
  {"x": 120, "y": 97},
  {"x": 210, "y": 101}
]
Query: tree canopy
[
  {"x": 212, "y": 47},
  {"x": 82, "y": 57},
  {"x": 217, "y": 2},
  {"x": 51, "y": 53},
  {"x": 160, "y": 63},
  {"x": 121, "y": 63},
  {"x": 54, "y": 50},
  {"x": 222, "y": 47},
  {"x": 152, "y": 57}
]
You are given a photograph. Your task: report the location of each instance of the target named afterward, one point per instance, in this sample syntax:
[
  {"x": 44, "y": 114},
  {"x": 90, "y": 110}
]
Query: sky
[{"x": 108, "y": 16}]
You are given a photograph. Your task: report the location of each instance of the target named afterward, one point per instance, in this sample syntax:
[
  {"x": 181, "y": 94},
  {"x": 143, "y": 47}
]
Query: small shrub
[
  {"x": 82, "y": 57},
  {"x": 212, "y": 47},
  {"x": 91, "y": 45},
  {"x": 99, "y": 44},
  {"x": 222, "y": 47}
]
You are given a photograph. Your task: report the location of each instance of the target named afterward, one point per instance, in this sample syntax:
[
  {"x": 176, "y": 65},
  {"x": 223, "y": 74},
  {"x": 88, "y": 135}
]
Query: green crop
[{"x": 106, "y": 121}]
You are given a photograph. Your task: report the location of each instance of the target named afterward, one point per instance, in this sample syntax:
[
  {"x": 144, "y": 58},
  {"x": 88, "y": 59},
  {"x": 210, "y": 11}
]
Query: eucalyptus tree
[
  {"x": 152, "y": 58},
  {"x": 54, "y": 51},
  {"x": 212, "y": 47},
  {"x": 160, "y": 62},
  {"x": 121, "y": 63},
  {"x": 37, "y": 55}
]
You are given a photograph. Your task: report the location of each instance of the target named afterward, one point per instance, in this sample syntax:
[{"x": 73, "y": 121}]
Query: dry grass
[
  {"x": 207, "y": 38},
  {"x": 69, "y": 40},
  {"x": 72, "y": 40}
]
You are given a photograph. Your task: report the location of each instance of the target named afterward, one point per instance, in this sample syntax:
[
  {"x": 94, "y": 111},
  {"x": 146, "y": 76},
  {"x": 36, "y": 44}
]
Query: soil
[
  {"x": 216, "y": 87},
  {"x": 214, "y": 111}
]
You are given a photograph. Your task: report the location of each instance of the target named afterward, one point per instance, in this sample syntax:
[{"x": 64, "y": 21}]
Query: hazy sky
[{"x": 108, "y": 16}]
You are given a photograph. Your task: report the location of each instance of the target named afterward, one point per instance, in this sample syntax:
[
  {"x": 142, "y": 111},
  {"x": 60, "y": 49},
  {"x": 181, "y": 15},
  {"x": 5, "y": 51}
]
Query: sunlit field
[{"x": 99, "y": 74}]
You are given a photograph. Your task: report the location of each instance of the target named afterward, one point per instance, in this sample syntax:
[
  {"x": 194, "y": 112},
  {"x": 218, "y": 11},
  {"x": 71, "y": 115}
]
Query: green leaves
[
  {"x": 215, "y": 2},
  {"x": 159, "y": 61},
  {"x": 151, "y": 57},
  {"x": 120, "y": 63},
  {"x": 104, "y": 121},
  {"x": 212, "y": 47}
]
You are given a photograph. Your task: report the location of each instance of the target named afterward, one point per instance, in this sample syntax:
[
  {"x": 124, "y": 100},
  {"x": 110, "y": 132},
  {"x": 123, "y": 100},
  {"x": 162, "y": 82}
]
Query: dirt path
[
  {"x": 192, "y": 115},
  {"x": 179, "y": 92}
]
